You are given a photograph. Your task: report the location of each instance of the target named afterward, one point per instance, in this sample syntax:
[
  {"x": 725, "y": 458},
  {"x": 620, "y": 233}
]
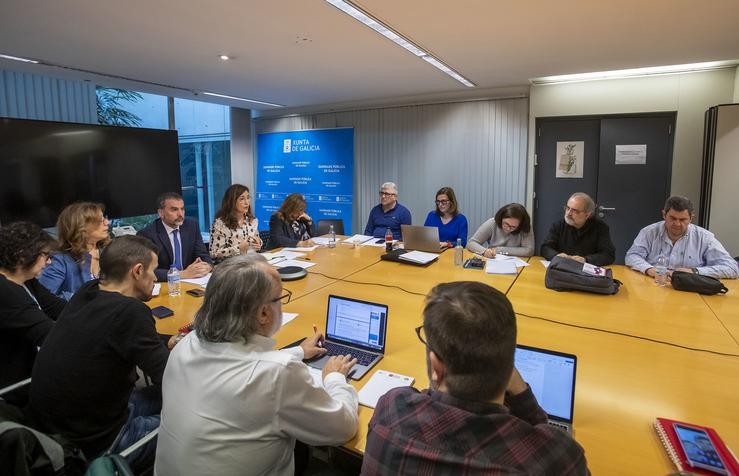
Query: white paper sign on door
[{"x": 631, "y": 154}]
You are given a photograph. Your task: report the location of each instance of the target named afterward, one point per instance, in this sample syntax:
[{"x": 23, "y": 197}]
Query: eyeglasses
[
  {"x": 508, "y": 227},
  {"x": 442, "y": 202},
  {"x": 386, "y": 194},
  {"x": 46, "y": 255},
  {"x": 285, "y": 298},
  {"x": 421, "y": 333},
  {"x": 103, "y": 219},
  {"x": 573, "y": 210}
]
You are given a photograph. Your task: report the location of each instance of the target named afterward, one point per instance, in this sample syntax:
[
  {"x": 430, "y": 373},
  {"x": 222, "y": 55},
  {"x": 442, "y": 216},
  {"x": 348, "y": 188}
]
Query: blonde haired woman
[{"x": 83, "y": 232}]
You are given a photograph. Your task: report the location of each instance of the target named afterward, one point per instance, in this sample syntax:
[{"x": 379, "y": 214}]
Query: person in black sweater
[
  {"x": 580, "y": 236},
  {"x": 27, "y": 309},
  {"x": 290, "y": 225},
  {"x": 83, "y": 379}
]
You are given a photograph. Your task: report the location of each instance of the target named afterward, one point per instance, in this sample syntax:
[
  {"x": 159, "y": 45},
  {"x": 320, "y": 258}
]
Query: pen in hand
[{"x": 319, "y": 343}]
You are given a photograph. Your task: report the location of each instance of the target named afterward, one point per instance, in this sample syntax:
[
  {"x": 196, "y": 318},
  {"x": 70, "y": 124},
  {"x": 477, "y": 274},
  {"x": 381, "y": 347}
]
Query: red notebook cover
[{"x": 666, "y": 433}]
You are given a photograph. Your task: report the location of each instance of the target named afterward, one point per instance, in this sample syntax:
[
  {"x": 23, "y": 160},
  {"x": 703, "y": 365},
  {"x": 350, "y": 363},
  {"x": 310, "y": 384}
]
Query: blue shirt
[
  {"x": 379, "y": 221},
  {"x": 698, "y": 248},
  {"x": 456, "y": 228},
  {"x": 64, "y": 276}
]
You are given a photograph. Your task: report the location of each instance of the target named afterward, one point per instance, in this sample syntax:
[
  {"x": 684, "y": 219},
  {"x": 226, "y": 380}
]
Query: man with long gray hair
[{"x": 232, "y": 404}]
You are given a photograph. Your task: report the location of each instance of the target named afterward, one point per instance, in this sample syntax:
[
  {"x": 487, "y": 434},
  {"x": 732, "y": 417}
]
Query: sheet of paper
[
  {"x": 544, "y": 263},
  {"x": 157, "y": 289},
  {"x": 420, "y": 257},
  {"x": 199, "y": 281},
  {"x": 373, "y": 242},
  {"x": 298, "y": 250},
  {"x": 357, "y": 239},
  {"x": 288, "y": 316},
  {"x": 321, "y": 240},
  {"x": 379, "y": 384},
  {"x": 294, "y": 262},
  {"x": 493, "y": 266},
  {"x": 516, "y": 260}
]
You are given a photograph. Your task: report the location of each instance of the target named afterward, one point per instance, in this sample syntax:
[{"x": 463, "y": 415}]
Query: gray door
[{"x": 629, "y": 194}]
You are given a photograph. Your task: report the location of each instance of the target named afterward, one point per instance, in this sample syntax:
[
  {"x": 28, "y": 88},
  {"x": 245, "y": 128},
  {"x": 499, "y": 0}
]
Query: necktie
[{"x": 177, "y": 249}]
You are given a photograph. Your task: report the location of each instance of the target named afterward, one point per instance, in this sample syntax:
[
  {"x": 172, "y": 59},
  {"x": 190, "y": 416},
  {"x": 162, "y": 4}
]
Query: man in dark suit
[{"x": 178, "y": 239}]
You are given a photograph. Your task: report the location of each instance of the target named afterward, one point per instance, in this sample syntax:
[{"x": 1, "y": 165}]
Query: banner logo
[{"x": 286, "y": 146}]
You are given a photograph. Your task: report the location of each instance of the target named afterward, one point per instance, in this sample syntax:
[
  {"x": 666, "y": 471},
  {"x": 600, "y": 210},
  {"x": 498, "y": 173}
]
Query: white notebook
[{"x": 379, "y": 384}]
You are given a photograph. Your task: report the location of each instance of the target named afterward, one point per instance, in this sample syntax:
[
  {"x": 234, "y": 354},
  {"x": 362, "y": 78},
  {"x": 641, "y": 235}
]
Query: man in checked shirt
[{"x": 479, "y": 416}]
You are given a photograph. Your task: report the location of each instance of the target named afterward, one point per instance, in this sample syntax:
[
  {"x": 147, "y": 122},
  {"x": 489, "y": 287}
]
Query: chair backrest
[
  {"x": 325, "y": 225},
  {"x": 266, "y": 240}
]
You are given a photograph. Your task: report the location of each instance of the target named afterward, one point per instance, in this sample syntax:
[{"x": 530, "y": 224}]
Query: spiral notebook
[{"x": 666, "y": 433}]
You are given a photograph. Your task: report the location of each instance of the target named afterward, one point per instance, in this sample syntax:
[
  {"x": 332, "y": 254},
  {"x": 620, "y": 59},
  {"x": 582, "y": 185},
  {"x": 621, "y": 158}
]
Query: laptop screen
[
  {"x": 551, "y": 376},
  {"x": 356, "y": 322}
]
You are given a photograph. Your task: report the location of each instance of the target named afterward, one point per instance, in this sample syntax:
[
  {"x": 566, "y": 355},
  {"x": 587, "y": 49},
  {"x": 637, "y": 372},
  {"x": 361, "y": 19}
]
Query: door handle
[{"x": 602, "y": 211}]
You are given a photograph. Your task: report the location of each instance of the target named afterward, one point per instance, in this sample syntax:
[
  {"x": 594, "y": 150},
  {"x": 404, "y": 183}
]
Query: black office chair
[
  {"x": 325, "y": 225},
  {"x": 266, "y": 238}
]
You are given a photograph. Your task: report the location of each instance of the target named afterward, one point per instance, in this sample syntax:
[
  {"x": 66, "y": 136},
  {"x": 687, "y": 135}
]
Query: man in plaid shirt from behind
[{"x": 479, "y": 416}]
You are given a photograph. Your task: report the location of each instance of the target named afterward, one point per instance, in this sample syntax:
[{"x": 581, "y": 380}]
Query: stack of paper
[
  {"x": 357, "y": 239},
  {"x": 494, "y": 266},
  {"x": 321, "y": 240},
  {"x": 302, "y": 248},
  {"x": 421, "y": 257},
  {"x": 381, "y": 383},
  {"x": 293, "y": 262},
  {"x": 199, "y": 281}
]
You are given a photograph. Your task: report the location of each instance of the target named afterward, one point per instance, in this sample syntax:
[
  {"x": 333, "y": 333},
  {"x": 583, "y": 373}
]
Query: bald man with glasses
[{"x": 579, "y": 235}]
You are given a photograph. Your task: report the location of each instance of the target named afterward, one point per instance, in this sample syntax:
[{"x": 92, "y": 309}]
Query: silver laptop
[
  {"x": 354, "y": 327},
  {"x": 551, "y": 376},
  {"x": 421, "y": 238}
]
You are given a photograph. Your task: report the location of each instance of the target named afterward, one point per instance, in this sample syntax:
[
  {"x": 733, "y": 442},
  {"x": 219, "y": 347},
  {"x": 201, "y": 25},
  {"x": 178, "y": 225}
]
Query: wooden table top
[{"x": 628, "y": 373}]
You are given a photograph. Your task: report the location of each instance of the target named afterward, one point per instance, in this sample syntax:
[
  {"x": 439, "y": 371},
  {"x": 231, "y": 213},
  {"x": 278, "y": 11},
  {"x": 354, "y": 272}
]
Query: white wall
[
  {"x": 736, "y": 85},
  {"x": 689, "y": 94}
]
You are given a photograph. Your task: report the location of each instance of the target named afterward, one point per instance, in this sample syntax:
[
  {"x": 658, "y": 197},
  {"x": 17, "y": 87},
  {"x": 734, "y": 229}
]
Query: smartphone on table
[{"x": 699, "y": 449}]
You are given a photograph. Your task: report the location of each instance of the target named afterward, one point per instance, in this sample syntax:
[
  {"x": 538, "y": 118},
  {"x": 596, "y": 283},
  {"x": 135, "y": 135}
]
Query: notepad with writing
[
  {"x": 381, "y": 383},
  {"x": 666, "y": 432}
]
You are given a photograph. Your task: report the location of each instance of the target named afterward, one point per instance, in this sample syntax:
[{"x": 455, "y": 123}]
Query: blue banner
[{"x": 317, "y": 163}]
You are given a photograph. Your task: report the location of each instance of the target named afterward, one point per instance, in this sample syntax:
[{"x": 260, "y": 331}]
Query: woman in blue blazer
[
  {"x": 83, "y": 232},
  {"x": 447, "y": 219}
]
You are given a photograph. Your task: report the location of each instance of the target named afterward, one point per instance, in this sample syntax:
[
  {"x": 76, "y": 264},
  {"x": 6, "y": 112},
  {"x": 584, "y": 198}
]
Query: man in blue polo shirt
[{"x": 388, "y": 214}]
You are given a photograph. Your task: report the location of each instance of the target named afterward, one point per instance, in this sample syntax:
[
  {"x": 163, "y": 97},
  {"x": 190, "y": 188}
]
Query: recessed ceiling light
[
  {"x": 364, "y": 17},
  {"x": 17, "y": 58},
  {"x": 242, "y": 99},
  {"x": 224, "y": 57},
  {"x": 634, "y": 72}
]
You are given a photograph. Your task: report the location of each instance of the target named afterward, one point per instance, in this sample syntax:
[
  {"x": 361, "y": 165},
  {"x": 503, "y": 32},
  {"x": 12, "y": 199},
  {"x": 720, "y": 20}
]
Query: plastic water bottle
[
  {"x": 331, "y": 237},
  {"x": 458, "y": 253},
  {"x": 660, "y": 271},
  {"x": 173, "y": 281},
  {"x": 388, "y": 240}
]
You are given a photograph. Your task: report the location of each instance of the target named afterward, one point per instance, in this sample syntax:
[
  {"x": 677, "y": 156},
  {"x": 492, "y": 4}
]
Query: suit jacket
[{"x": 190, "y": 239}]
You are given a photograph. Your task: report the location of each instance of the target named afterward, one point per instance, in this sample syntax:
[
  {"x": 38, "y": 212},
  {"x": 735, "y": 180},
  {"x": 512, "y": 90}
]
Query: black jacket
[
  {"x": 282, "y": 233},
  {"x": 592, "y": 242},
  {"x": 190, "y": 239},
  {"x": 23, "y": 328}
]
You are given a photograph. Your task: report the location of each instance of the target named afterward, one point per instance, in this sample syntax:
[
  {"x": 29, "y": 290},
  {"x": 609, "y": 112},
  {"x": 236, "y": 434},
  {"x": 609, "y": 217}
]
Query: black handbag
[{"x": 697, "y": 283}]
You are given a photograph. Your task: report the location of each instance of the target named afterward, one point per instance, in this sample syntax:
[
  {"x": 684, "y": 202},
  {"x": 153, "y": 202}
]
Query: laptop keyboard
[{"x": 363, "y": 358}]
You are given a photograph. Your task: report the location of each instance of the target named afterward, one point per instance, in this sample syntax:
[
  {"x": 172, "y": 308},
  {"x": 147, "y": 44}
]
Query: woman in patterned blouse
[{"x": 235, "y": 229}]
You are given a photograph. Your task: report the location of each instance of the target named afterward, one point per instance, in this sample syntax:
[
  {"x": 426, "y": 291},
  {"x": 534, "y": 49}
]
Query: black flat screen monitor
[{"x": 45, "y": 166}]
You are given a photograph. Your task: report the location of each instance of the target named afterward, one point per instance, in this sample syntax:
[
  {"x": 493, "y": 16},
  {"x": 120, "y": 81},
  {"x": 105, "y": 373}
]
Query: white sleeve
[{"x": 316, "y": 415}]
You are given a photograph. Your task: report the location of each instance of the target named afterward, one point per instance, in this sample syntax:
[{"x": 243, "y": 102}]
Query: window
[{"x": 205, "y": 145}]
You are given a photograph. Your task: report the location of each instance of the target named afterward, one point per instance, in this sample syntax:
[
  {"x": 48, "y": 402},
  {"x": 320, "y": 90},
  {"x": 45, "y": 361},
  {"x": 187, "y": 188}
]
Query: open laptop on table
[
  {"x": 551, "y": 376},
  {"x": 421, "y": 238},
  {"x": 354, "y": 327}
]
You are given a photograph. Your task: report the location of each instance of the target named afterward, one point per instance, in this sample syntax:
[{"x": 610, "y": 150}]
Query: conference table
[{"x": 645, "y": 352}]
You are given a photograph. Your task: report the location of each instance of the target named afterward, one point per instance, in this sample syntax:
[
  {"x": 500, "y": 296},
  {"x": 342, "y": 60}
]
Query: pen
[{"x": 315, "y": 331}]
